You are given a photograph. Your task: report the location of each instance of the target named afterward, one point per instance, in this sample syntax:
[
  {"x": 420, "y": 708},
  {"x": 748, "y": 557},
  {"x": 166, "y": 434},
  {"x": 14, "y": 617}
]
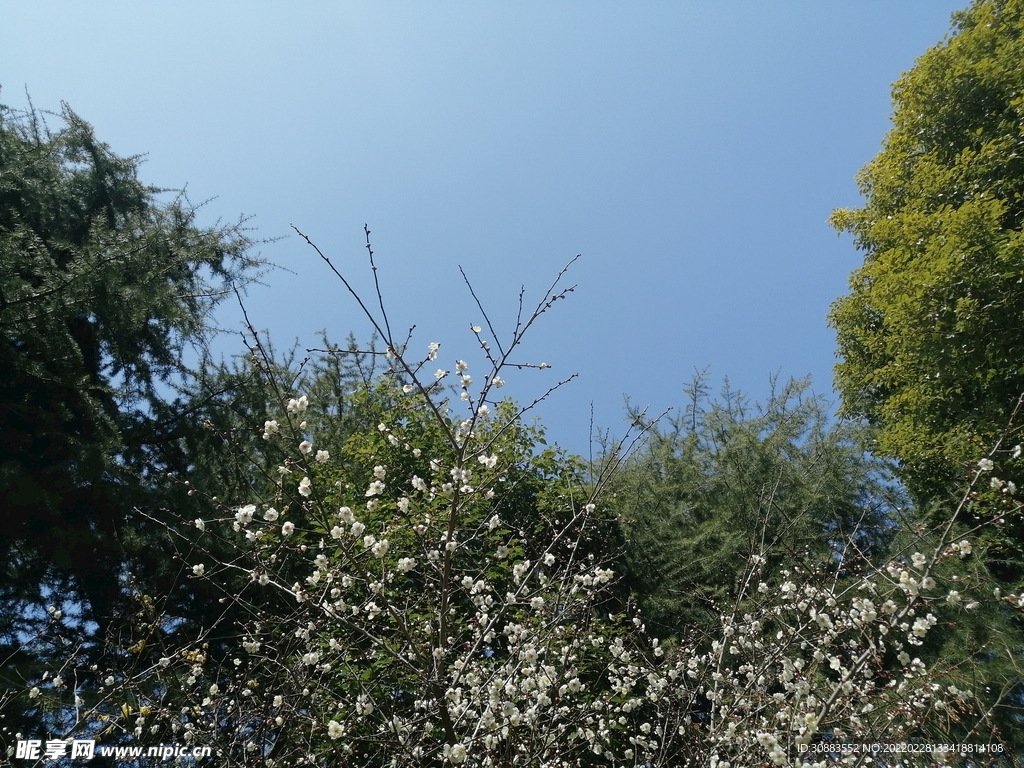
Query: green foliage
[
  {"x": 102, "y": 288},
  {"x": 931, "y": 335},
  {"x": 362, "y": 633},
  {"x": 727, "y": 480}
]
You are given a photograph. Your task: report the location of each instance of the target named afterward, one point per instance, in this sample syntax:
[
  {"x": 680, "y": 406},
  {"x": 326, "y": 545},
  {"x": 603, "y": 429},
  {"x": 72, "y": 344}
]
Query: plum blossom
[
  {"x": 298, "y": 405},
  {"x": 456, "y": 754},
  {"x": 305, "y": 488},
  {"x": 199, "y": 569},
  {"x": 305, "y": 447},
  {"x": 287, "y": 528},
  {"x": 244, "y": 514}
]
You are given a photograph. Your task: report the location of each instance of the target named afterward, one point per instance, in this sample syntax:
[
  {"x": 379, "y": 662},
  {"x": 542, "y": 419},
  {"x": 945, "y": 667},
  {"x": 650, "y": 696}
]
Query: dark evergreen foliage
[
  {"x": 728, "y": 479},
  {"x": 103, "y": 287}
]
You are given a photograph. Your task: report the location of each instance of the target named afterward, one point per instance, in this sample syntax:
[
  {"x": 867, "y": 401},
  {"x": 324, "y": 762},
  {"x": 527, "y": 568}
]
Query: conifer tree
[{"x": 104, "y": 283}]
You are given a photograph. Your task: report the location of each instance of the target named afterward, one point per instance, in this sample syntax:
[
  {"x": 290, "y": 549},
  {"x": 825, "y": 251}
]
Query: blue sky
[{"x": 690, "y": 151}]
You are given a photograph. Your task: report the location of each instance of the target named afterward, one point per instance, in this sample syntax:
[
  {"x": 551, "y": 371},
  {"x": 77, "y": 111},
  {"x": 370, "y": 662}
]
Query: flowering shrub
[{"x": 434, "y": 590}]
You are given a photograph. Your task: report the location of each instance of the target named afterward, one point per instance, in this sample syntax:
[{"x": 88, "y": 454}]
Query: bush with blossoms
[{"x": 436, "y": 587}]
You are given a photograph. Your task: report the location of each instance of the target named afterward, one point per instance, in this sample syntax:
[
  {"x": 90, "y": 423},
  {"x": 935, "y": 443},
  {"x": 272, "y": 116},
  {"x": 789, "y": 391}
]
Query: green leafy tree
[{"x": 931, "y": 336}]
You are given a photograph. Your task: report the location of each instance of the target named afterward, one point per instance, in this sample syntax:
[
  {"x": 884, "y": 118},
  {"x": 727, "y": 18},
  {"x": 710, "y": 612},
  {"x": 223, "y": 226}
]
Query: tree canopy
[
  {"x": 931, "y": 336},
  {"x": 104, "y": 284},
  {"x": 728, "y": 479}
]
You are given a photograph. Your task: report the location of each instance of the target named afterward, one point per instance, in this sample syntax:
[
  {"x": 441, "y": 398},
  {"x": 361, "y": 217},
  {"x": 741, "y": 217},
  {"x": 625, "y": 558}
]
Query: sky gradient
[{"x": 690, "y": 151}]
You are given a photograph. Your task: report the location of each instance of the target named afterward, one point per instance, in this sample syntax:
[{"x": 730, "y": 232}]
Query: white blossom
[
  {"x": 244, "y": 514},
  {"x": 457, "y": 754}
]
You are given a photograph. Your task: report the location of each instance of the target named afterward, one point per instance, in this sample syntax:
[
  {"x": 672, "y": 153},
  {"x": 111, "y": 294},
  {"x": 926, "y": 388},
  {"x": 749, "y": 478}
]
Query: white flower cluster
[{"x": 454, "y": 624}]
